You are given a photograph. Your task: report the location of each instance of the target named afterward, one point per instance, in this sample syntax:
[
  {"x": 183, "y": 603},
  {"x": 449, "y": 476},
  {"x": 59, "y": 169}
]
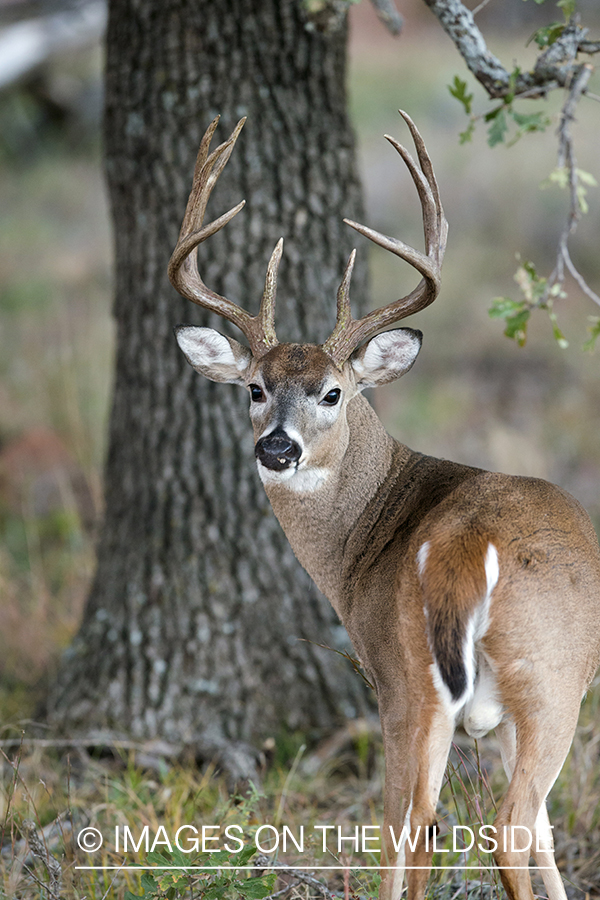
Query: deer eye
[
  {"x": 331, "y": 398},
  {"x": 256, "y": 393}
]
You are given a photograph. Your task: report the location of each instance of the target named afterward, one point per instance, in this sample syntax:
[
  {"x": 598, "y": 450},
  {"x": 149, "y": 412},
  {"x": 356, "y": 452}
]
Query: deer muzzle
[{"x": 277, "y": 451}]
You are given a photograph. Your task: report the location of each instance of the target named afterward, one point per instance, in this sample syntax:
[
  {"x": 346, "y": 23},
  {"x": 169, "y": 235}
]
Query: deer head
[{"x": 299, "y": 393}]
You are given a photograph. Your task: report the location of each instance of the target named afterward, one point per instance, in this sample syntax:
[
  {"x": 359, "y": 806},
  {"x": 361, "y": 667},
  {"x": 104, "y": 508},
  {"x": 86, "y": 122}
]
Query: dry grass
[{"x": 75, "y": 791}]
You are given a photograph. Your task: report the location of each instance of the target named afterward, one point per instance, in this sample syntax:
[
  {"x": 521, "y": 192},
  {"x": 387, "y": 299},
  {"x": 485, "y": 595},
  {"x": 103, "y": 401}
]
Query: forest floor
[
  {"x": 112, "y": 822},
  {"x": 475, "y": 396}
]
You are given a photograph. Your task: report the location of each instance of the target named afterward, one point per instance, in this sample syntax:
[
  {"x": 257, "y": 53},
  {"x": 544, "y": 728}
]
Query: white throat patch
[{"x": 297, "y": 479}]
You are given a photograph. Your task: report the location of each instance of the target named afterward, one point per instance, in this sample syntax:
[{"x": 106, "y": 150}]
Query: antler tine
[
  {"x": 348, "y": 332},
  {"x": 423, "y": 187},
  {"x": 191, "y": 233},
  {"x": 183, "y": 265},
  {"x": 198, "y": 181},
  {"x": 427, "y": 168},
  {"x": 344, "y": 314},
  {"x": 267, "y": 305}
]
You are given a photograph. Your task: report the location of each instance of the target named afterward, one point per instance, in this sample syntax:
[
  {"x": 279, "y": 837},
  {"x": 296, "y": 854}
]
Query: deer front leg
[{"x": 416, "y": 751}]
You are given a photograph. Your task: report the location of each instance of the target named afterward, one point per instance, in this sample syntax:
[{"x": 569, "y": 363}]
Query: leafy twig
[{"x": 540, "y": 292}]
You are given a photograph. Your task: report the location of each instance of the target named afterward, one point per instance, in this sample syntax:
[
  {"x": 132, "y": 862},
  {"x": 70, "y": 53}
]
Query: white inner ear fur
[
  {"x": 386, "y": 357},
  {"x": 212, "y": 354}
]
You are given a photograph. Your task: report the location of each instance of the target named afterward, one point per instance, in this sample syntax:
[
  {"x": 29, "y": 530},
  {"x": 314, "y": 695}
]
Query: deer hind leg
[
  {"x": 414, "y": 772},
  {"x": 544, "y": 857},
  {"x": 532, "y": 770},
  {"x": 457, "y": 577}
]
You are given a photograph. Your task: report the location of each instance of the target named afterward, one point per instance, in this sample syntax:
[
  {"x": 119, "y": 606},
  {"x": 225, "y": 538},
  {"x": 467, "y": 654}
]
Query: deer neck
[{"x": 319, "y": 523}]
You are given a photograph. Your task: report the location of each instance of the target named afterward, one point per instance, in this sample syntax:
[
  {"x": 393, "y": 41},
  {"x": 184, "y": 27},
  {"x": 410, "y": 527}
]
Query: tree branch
[
  {"x": 459, "y": 24},
  {"x": 566, "y": 160},
  {"x": 389, "y": 15},
  {"x": 555, "y": 67},
  {"x": 39, "y": 850},
  {"x": 265, "y": 863}
]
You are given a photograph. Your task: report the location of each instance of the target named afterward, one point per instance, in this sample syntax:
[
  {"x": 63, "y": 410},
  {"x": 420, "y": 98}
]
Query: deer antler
[
  {"x": 183, "y": 265},
  {"x": 348, "y": 333}
]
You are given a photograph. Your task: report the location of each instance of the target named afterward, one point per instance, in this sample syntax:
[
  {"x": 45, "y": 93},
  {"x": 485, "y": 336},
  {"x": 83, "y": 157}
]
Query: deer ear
[
  {"x": 386, "y": 357},
  {"x": 212, "y": 354}
]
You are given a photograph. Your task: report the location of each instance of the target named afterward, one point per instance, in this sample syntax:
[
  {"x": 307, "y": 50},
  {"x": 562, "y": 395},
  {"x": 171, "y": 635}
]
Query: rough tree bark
[{"x": 191, "y": 629}]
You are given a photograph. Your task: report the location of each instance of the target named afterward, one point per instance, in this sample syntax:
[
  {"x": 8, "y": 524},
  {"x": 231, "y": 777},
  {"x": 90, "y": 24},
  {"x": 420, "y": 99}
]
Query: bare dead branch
[
  {"x": 389, "y": 15},
  {"x": 41, "y": 852},
  {"x": 264, "y": 863},
  {"x": 481, "y": 6},
  {"x": 583, "y": 285},
  {"x": 566, "y": 160},
  {"x": 94, "y": 741},
  {"x": 109, "y": 888}
]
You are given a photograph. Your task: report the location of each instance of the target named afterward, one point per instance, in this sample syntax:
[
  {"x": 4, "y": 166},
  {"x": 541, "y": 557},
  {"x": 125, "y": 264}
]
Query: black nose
[{"x": 277, "y": 451}]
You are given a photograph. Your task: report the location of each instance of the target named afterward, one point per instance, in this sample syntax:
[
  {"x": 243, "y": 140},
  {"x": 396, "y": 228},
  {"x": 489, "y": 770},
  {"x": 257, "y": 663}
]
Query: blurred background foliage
[{"x": 473, "y": 396}]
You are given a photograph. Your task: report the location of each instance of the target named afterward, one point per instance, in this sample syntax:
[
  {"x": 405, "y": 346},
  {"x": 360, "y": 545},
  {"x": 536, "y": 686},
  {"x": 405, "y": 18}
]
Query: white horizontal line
[{"x": 309, "y": 868}]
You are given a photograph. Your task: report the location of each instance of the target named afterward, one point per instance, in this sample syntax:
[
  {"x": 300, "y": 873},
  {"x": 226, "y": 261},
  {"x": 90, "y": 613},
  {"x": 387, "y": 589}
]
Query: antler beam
[
  {"x": 348, "y": 332},
  {"x": 183, "y": 266}
]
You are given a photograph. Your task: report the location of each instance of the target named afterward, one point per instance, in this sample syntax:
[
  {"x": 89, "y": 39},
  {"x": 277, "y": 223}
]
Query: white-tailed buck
[{"x": 471, "y": 598}]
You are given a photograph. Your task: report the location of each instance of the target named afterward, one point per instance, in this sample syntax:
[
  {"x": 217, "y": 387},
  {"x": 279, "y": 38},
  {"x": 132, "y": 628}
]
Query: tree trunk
[{"x": 191, "y": 631}]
